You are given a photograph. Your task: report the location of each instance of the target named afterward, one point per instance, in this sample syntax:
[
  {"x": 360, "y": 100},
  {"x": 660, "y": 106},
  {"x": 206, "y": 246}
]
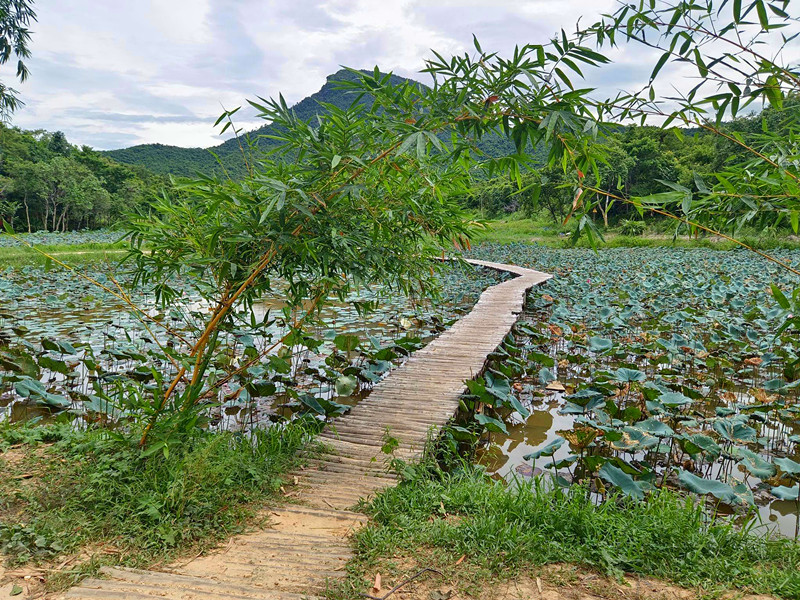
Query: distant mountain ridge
[{"x": 165, "y": 159}]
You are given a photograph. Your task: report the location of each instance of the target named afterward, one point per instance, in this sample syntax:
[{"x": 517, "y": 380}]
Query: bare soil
[{"x": 552, "y": 582}]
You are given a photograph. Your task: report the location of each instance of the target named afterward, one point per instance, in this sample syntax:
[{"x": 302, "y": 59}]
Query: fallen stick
[{"x": 399, "y": 585}]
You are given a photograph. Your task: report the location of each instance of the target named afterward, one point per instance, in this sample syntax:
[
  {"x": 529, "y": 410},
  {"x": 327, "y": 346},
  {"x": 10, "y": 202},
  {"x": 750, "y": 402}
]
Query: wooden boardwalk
[{"x": 307, "y": 545}]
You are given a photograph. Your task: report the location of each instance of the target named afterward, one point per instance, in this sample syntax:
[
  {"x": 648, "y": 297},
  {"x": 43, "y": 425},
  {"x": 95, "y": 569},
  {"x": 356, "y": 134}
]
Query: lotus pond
[
  {"x": 67, "y": 346},
  {"x": 635, "y": 369},
  {"x": 68, "y": 238}
]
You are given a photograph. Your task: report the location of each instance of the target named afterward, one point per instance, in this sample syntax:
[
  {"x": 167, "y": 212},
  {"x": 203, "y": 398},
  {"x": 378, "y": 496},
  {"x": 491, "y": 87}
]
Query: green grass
[
  {"x": 503, "y": 530},
  {"x": 542, "y": 230},
  {"x": 12, "y": 256},
  {"x": 63, "y": 491}
]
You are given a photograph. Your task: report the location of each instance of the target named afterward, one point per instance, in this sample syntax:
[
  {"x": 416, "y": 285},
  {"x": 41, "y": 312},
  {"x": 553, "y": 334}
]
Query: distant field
[
  {"x": 76, "y": 246},
  {"x": 536, "y": 231}
]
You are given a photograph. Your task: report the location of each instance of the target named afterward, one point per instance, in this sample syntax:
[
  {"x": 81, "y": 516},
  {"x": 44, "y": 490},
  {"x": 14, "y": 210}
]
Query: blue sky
[{"x": 114, "y": 73}]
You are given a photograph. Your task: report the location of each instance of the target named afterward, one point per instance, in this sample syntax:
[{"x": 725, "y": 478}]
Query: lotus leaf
[
  {"x": 599, "y": 344},
  {"x": 618, "y": 478},
  {"x": 634, "y": 440},
  {"x": 628, "y": 375},
  {"x": 734, "y": 431},
  {"x": 754, "y": 463},
  {"x": 546, "y": 376},
  {"x": 491, "y": 424},
  {"x": 787, "y": 493},
  {"x": 718, "y": 489},
  {"x": 789, "y": 466},
  {"x": 548, "y": 449},
  {"x": 654, "y": 427},
  {"x": 346, "y": 385},
  {"x": 674, "y": 400}
]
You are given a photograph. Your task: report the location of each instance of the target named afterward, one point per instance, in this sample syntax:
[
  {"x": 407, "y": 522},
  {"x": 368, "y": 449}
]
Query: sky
[{"x": 116, "y": 73}]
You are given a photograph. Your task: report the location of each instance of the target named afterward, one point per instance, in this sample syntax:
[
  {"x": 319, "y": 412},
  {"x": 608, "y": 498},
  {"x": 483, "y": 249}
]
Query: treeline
[
  {"x": 48, "y": 184},
  {"x": 638, "y": 161}
]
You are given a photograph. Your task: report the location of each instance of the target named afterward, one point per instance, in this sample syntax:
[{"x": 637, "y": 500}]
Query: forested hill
[{"x": 160, "y": 158}]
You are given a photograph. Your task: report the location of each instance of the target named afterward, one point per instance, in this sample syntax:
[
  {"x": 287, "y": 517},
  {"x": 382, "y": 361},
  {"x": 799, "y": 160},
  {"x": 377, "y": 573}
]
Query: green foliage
[
  {"x": 357, "y": 197},
  {"x": 506, "y": 529},
  {"x": 45, "y": 183},
  {"x": 95, "y": 487},
  {"x": 632, "y": 227},
  {"x": 15, "y": 17},
  {"x": 656, "y": 348},
  {"x": 751, "y": 180}
]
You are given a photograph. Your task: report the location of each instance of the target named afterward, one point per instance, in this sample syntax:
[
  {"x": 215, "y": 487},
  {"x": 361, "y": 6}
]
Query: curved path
[{"x": 306, "y": 545}]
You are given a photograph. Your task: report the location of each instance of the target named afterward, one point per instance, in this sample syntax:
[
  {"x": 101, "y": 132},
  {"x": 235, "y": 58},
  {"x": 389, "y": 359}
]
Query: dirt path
[{"x": 307, "y": 545}]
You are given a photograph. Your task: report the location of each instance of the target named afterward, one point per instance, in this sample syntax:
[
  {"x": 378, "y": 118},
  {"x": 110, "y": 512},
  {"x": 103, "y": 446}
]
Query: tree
[
  {"x": 735, "y": 47},
  {"x": 28, "y": 187},
  {"x": 613, "y": 174},
  {"x": 15, "y": 17},
  {"x": 94, "y": 190},
  {"x": 58, "y": 144},
  {"x": 355, "y": 197}
]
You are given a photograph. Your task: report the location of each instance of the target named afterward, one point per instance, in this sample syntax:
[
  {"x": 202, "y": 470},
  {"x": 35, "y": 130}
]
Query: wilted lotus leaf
[
  {"x": 634, "y": 440},
  {"x": 580, "y": 437}
]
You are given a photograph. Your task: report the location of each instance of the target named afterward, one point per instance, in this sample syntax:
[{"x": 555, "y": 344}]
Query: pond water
[
  {"x": 84, "y": 325},
  {"x": 653, "y": 367}
]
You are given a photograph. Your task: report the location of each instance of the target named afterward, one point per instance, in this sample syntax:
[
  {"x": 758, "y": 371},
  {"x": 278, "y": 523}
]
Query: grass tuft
[
  {"x": 502, "y": 529},
  {"x": 63, "y": 491}
]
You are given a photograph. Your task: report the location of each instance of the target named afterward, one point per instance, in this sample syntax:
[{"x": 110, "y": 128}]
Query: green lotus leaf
[
  {"x": 735, "y": 431},
  {"x": 35, "y": 390},
  {"x": 346, "y": 343},
  {"x": 754, "y": 463},
  {"x": 498, "y": 386},
  {"x": 789, "y": 466},
  {"x": 628, "y": 375},
  {"x": 698, "y": 485},
  {"x": 547, "y": 450},
  {"x": 599, "y": 344},
  {"x": 584, "y": 396},
  {"x": 491, "y": 424},
  {"x": 787, "y": 493},
  {"x": 546, "y": 376},
  {"x": 346, "y": 385},
  {"x": 674, "y": 400},
  {"x": 654, "y": 427},
  {"x": 620, "y": 479},
  {"x": 704, "y": 443}
]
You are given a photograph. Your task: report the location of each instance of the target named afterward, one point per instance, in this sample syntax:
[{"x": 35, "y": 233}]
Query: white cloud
[{"x": 113, "y": 73}]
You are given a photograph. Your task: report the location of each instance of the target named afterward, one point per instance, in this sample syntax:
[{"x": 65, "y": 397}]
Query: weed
[
  {"x": 94, "y": 489},
  {"x": 503, "y": 528}
]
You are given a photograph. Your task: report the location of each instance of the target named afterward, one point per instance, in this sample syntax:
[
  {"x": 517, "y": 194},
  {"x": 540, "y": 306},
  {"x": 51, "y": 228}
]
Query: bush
[{"x": 631, "y": 227}]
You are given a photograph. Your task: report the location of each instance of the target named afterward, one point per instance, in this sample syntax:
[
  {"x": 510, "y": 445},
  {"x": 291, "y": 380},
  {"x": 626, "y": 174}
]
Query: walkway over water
[{"x": 306, "y": 545}]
